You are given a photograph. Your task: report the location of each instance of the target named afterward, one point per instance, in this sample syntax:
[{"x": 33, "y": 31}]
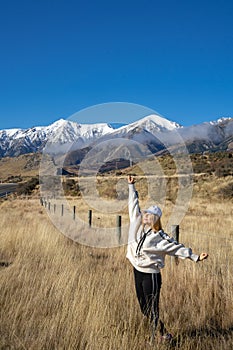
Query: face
[{"x": 147, "y": 219}]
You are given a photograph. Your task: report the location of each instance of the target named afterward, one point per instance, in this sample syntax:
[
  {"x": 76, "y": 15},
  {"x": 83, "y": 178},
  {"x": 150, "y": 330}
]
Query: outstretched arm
[{"x": 170, "y": 247}]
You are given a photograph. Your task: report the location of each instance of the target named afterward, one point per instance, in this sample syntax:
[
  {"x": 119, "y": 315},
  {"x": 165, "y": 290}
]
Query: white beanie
[{"x": 154, "y": 209}]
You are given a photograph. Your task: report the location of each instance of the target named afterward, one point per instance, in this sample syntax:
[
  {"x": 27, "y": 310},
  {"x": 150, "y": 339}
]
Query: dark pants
[{"x": 148, "y": 287}]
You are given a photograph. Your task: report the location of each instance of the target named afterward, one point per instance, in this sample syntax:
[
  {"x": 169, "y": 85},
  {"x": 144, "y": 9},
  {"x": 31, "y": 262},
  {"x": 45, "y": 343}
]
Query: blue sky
[{"x": 61, "y": 56}]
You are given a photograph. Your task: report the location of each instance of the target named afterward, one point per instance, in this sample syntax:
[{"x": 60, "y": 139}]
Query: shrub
[
  {"x": 71, "y": 187},
  {"x": 28, "y": 187},
  {"x": 226, "y": 191}
]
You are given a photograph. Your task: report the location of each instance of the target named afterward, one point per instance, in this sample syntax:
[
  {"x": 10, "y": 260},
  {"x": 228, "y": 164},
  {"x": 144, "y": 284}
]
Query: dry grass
[{"x": 58, "y": 294}]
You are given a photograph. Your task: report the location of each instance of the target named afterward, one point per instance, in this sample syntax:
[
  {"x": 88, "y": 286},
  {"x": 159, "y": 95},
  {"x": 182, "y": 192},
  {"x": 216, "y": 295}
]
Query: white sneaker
[{"x": 166, "y": 337}]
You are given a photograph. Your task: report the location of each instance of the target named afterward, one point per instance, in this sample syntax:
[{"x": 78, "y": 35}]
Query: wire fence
[{"x": 63, "y": 210}]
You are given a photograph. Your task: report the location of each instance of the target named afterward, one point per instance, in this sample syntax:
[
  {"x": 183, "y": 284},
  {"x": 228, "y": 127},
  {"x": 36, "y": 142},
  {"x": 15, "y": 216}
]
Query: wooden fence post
[
  {"x": 175, "y": 234},
  {"x": 49, "y": 205},
  {"x": 118, "y": 224},
  {"x": 62, "y": 210},
  {"x": 74, "y": 211},
  {"x": 90, "y": 217},
  {"x": 54, "y": 208}
]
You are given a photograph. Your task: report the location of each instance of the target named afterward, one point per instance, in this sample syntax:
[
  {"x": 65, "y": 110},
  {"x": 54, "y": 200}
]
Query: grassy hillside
[
  {"x": 211, "y": 177},
  {"x": 18, "y": 168},
  {"x": 219, "y": 164}
]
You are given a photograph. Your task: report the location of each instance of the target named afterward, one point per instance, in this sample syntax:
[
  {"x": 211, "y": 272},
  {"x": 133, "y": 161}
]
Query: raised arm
[{"x": 134, "y": 209}]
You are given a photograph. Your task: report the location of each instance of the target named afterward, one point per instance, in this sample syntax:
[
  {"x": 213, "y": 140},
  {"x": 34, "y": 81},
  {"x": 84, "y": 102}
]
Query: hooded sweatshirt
[{"x": 148, "y": 254}]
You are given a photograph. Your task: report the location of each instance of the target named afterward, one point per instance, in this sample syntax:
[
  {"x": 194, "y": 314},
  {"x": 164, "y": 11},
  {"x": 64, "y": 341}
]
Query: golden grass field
[{"x": 58, "y": 294}]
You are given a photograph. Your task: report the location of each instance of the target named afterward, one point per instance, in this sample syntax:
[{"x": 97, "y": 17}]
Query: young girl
[{"x": 147, "y": 246}]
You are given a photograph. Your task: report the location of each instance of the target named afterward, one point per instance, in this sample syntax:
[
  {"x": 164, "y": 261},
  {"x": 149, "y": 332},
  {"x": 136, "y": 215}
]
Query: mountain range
[{"x": 154, "y": 132}]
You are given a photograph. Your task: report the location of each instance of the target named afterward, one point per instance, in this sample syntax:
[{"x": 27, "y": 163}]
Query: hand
[
  {"x": 131, "y": 179},
  {"x": 203, "y": 256}
]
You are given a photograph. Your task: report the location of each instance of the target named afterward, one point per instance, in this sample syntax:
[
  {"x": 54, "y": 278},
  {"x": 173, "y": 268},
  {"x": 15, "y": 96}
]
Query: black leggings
[{"x": 148, "y": 287}]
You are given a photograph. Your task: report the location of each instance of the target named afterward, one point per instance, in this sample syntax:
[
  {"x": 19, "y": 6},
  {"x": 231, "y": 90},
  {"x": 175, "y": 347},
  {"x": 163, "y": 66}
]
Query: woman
[{"x": 147, "y": 246}]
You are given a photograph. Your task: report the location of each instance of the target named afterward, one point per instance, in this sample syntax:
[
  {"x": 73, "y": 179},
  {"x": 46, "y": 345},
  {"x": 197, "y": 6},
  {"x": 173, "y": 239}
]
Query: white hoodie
[{"x": 156, "y": 246}]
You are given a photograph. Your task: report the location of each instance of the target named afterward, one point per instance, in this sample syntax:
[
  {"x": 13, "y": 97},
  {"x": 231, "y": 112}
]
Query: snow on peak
[
  {"x": 161, "y": 123},
  {"x": 220, "y": 120},
  {"x": 152, "y": 123},
  {"x": 10, "y": 132},
  {"x": 64, "y": 131}
]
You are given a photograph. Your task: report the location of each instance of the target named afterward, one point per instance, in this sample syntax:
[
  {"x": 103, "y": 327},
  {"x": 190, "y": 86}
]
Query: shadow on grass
[
  {"x": 5, "y": 263},
  {"x": 210, "y": 332},
  {"x": 204, "y": 333}
]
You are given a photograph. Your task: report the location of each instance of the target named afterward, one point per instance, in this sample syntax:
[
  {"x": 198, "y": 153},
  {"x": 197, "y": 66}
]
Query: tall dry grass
[{"x": 58, "y": 294}]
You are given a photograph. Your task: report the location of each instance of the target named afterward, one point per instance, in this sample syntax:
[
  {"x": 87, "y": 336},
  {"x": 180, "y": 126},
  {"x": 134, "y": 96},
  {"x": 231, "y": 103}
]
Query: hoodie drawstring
[{"x": 140, "y": 243}]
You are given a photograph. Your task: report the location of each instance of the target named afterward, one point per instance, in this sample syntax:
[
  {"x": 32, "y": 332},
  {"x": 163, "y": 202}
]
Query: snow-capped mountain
[
  {"x": 14, "y": 142},
  {"x": 117, "y": 147},
  {"x": 64, "y": 135},
  {"x": 152, "y": 123},
  {"x": 153, "y": 131}
]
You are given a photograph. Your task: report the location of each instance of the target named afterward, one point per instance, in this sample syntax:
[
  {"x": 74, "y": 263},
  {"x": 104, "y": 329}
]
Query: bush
[
  {"x": 226, "y": 191},
  {"x": 28, "y": 187},
  {"x": 71, "y": 187},
  {"x": 14, "y": 179}
]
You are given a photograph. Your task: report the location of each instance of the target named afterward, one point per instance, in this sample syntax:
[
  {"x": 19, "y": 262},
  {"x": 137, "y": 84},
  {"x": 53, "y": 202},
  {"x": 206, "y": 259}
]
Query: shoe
[{"x": 166, "y": 337}]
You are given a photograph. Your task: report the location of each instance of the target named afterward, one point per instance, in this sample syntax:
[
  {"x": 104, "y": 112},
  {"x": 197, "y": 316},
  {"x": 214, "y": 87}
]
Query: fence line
[
  {"x": 175, "y": 229},
  {"x": 47, "y": 204}
]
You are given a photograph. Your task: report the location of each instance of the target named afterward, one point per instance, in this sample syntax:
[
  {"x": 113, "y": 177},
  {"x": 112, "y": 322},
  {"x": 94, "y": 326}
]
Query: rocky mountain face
[{"x": 153, "y": 132}]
